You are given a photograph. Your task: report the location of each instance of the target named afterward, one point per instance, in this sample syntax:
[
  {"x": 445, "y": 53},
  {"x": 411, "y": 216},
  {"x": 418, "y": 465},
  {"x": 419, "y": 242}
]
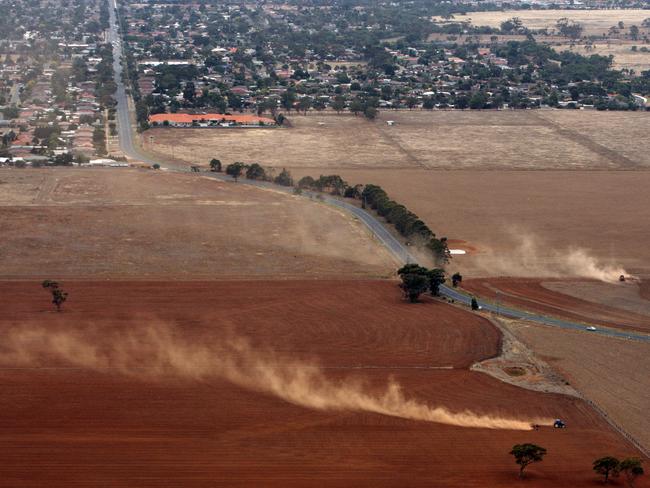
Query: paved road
[
  {"x": 399, "y": 250},
  {"x": 124, "y": 129}
]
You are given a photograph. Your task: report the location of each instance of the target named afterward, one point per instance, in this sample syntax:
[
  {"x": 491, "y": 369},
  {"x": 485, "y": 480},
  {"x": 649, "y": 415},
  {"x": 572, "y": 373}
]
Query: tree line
[
  {"x": 608, "y": 466},
  {"x": 408, "y": 224}
]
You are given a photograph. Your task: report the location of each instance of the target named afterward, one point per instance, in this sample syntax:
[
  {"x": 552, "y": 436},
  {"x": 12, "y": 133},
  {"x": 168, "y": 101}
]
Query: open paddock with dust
[
  {"x": 528, "y": 223},
  {"x": 289, "y": 389},
  {"x": 611, "y": 372},
  {"x": 526, "y": 139},
  {"x": 595, "y": 22},
  {"x": 141, "y": 224}
]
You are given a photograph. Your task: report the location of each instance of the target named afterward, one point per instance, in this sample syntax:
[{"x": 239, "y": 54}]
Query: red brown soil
[
  {"x": 644, "y": 289},
  {"x": 530, "y": 294},
  {"x": 75, "y": 427}
]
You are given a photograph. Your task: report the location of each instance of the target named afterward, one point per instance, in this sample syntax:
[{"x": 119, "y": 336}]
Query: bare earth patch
[{"x": 517, "y": 364}]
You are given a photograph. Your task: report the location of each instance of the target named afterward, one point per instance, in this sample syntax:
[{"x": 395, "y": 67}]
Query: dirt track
[{"x": 82, "y": 427}]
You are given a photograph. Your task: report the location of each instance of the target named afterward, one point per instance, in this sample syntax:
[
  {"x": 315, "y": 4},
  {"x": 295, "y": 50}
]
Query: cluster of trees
[
  {"x": 608, "y": 466},
  {"x": 417, "y": 280},
  {"x": 58, "y": 295},
  {"x": 99, "y": 140},
  {"x": 406, "y": 222},
  {"x": 253, "y": 171},
  {"x": 332, "y": 184},
  {"x": 105, "y": 86}
]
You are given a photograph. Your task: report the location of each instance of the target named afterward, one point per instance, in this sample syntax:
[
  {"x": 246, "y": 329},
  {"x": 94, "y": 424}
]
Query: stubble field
[
  {"x": 530, "y": 139},
  {"x": 610, "y": 372},
  {"x": 99, "y": 394},
  {"x": 143, "y": 224}
]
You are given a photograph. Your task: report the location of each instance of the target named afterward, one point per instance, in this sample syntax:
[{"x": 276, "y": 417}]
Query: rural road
[{"x": 398, "y": 249}]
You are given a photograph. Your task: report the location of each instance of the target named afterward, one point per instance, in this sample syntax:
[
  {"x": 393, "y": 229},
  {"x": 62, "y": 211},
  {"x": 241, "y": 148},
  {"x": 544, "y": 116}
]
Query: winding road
[{"x": 397, "y": 248}]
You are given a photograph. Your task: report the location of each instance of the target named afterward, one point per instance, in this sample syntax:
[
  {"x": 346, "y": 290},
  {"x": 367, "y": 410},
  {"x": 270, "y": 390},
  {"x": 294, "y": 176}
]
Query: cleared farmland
[
  {"x": 498, "y": 213},
  {"x": 139, "y": 224},
  {"x": 128, "y": 428},
  {"x": 611, "y": 372},
  {"x": 526, "y": 223},
  {"x": 615, "y": 304},
  {"x": 534, "y": 140}
]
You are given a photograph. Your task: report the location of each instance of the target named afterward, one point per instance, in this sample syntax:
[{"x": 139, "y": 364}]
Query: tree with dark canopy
[
  {"x": 255, "y": 172},
  {"x": 607, "y": 466},
  {"x": 526, "y": 454},
  {"x": 215, "y": 165},
  {"x": 58, "y": 295},
  {"x": 631, "y": 469},
  {"x": 235, "y": 169},
  {"x": 456, "y": 279}
]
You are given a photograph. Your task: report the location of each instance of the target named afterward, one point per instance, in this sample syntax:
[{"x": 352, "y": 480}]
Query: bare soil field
[
  {"x": 618, "y": 295},
  {"x": 595, "y": 22},
  {"x": 77, "y": 410},
  {"x": 533, "y": 139},
  {"x": 553, "y": 299},
  {"x": 603, "y": 212},
  {"x": 109, "y": 223},
  {"x": 520, "y": 223},
  {"x": 611, "y": 372}
]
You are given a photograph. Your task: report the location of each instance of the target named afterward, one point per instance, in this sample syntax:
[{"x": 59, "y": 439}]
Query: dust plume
[
  {"x": 161, "y": 352},
  {"x": 530, "y": 257}
]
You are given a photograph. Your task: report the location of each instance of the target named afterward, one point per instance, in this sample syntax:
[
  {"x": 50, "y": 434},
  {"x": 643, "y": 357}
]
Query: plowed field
[{"x": 69, "y": 418}]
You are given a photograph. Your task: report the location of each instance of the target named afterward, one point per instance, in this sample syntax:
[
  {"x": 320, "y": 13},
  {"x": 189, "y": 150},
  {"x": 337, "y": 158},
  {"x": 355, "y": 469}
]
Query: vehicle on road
[{"x": 591, "y": 328}]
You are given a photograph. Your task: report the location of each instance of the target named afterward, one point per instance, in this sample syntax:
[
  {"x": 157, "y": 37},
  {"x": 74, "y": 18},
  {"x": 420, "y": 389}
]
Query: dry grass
[
  {"x": 610, "y": 372},
  {"x": 441, "y": 139},
  {"x": 139, "y": 224},
  {"x": 624, "y": 57},
  {"x": 595, "y": 22}
]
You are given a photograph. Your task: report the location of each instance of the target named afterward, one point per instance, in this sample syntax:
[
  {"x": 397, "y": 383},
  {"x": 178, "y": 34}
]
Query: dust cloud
[
  {"x": 161, "y": 352},
  {"x": 530, "y": 257}
]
